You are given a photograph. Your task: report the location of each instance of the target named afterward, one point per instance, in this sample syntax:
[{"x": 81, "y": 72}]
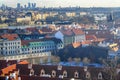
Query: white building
[
  {"x": 10, "y": 44},
  {"x": 70, "y": 36},
  {"x": 41, "y": 45}
]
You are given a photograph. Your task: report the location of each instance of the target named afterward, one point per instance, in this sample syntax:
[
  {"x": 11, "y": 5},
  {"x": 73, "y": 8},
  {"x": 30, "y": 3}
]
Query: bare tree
[{"x": 86, "y": 60}]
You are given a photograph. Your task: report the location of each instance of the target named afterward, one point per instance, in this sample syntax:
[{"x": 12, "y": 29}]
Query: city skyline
[{"x": 64, "y": 3}]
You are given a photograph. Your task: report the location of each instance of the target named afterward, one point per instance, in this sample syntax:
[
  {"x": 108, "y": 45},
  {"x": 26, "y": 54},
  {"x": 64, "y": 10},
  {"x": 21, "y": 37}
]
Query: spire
[{"x": 110, "y": 17}]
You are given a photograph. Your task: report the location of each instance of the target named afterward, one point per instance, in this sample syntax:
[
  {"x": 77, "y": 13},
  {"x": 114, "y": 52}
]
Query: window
[
  {"x": 5, "y": 43},
  {"x": 100, "y": 76},
  {"x": 65, "y": 73},
  {"x": 42, "y": 72},
  {"x": 53, "y": 73},
  {"x": 76, "y": 74},
  {"x": 29, "y": 66},
  {"x": 87, "y": 75},
  {"x": 31, "y": 72},
  {"x": 59, "y": 67}
]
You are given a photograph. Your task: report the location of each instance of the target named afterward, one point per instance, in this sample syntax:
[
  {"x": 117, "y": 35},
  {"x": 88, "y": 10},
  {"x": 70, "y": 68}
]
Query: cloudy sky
[{"x": 65, "y": 3}]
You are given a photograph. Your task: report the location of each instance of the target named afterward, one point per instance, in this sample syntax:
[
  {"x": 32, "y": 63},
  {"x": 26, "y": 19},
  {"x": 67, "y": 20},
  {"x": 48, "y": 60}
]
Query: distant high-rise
[
  {"x": 3, "y": 7},
  {"x": 25, "y": 6},
  {"x": 18, "y": 5},
  {"x": 29, "y": 5},
  {"x": 33, "y": 5},
  {"x": 110, "y": 17}
]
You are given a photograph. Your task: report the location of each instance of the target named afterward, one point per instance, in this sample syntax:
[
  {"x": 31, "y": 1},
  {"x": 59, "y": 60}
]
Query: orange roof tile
[
  {"x": 67, "y": 32},
  {"x": 86, "y": 42},
  {"x": 8, "y": 69},
  {"x": 10, "y": 36},
  {"x": 23, "y": 62},
  {"x": 77, "y": 31},
  {"x": 91, "y": 37},
  {"x": 76, "y": 44}
]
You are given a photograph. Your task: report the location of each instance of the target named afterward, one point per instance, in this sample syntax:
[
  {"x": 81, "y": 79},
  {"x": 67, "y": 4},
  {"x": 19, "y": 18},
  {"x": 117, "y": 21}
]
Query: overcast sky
[{"x": 65, "y": 3}]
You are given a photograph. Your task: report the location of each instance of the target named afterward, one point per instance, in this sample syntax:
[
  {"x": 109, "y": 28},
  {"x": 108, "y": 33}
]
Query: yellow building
[
  {"x": 44, "y": 16},
  {"x": 70, "y": 14},
  {"x": 114, "y": 47},
  {"x": 23, "y": 19},
  {"x": 83, "y": 13}
]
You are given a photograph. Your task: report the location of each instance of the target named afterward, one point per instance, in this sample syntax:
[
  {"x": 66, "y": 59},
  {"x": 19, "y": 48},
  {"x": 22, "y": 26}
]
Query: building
[
  {"x": 70, "y": 14},
  {"x": 70, "y": 36},
  {"x": 22, "y": 70},
  {"x": 25, "y": 46},
  {"x": 22, "y": 19},
  {"x": 10, "y": 44},
  {"x": 18, "y": 6},
  {"x": 41, "y": 45},
  {"x": 59, "y": 72}
]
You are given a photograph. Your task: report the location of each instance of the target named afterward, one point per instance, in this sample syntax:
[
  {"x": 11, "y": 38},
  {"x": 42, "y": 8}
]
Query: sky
[{"x": 64, "y": 3}]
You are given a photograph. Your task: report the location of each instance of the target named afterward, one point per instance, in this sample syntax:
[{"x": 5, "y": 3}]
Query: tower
[
  {"x": 18, "y": 5},
  {"x": 29, "y": 5}
]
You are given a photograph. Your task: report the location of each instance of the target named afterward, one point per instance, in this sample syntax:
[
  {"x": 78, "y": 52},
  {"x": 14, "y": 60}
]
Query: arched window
[
  {"x": 65, "y": 73},
  {"x": 100, "y": 76},
  {"x": 42, "y": 72},
  {"x": 76, "y": 74},
  {"x": 53, "y": 73},
  {"x": 31, "y": 72},
  {"x": 88, "y": 75}
]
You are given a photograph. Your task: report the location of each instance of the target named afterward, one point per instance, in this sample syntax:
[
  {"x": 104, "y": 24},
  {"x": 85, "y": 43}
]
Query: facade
[
  {"x": 17, "y": 47},
  {"x": 22, "y": 19},
  {"x": 70, "y": 36},
  {"x": 10, "y": 44},
  {"x": 58, "y": 72},
  {"x": 41, "y": 45},
  {"x": 23, "y": 70}
]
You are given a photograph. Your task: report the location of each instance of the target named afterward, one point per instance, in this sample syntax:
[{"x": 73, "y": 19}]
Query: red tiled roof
[
  {"x": 76, "y": 44},
  {"x": 70, "y": 32},
  {"x": 8, "y": 69},
  {"x": 67, "y": 32},
  {"x": 100, "y": 33},
  {"x": 5, "y": 63},
  {"x": 26, "y": 42},
  {"x": 24, "y": 71},
  {"x": 11, "y": 68},
  {"x": 10, "y": 36},
  {"x": 24, "y": 77},
  {"x": 23, "y": 62},
  {"x": 91, "y": 37},
  {"x": 86, "y": 42},
  {"x": 77, "y": 31},
  {"x": 31, "y": 29}
]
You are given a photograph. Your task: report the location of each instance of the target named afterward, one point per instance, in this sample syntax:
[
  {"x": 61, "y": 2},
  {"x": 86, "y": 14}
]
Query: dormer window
[
  {"x": 53, "y": 73},
  {"x": 65, "y": 73},
  {"x": 29, "y": 66},
  {"x": 59, "y": 67},
  {"x": 85, "y": 68},
  {"x": 100, "y": 76},
  {"x": 42, "y": 72},
  {"x": 88, "y": 75},
  {"x": 76, "y": 74},
  {"x": 31, "y": 72}
]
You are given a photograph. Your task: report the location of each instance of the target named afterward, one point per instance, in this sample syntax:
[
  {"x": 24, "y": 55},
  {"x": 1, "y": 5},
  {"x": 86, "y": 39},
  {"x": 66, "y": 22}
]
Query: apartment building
[{"x": 10, "y": 44}]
